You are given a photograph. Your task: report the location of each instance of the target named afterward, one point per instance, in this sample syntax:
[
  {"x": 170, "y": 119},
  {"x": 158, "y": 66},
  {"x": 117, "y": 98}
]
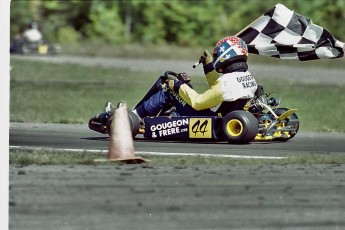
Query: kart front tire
[
  {"x": 134, "y": 123},
  {"x": 25, "y": 49},
  {"x": 240, "y": 127}
]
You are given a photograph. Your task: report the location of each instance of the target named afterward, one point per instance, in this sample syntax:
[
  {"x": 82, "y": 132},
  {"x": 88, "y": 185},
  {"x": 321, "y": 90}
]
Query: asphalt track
[
  {"x": 79, "y": 137},
  {"x": 259, "y": 196}
]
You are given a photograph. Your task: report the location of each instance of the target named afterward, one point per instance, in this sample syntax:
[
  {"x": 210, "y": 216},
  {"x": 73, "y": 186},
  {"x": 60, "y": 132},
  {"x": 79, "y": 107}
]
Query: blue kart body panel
[{"x": 182, "y": 128}]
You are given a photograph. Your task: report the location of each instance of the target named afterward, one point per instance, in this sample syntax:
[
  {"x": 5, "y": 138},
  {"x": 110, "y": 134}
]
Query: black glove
[
  {"x": 183, "y": 77},
  {"x": 206, "y": 58}
]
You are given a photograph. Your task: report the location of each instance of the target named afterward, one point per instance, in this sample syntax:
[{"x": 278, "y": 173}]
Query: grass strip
[{"x": 44, "y": 157}]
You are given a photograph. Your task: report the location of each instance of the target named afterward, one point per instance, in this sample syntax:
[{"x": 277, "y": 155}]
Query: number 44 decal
[{"x": 200, "y": 128}]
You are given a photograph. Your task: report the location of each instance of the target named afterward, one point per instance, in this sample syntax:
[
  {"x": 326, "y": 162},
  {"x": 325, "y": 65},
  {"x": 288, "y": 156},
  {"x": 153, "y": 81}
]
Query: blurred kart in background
[{"x": 24, "y": 47}]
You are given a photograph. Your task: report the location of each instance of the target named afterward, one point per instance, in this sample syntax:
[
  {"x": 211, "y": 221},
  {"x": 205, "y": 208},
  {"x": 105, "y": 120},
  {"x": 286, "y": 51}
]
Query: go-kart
[
  {"x": 22, "y": 46},
  {"x": 260, "y": 120}
]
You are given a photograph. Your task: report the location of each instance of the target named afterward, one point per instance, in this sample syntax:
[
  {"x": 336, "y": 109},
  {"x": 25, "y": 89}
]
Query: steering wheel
[
  {"x": 167, "y": 73},
  {"x": 178, "y": 76}
]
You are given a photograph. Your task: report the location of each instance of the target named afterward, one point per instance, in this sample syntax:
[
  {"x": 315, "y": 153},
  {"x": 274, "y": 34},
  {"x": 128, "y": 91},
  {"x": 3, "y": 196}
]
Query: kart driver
[
  {"x": 230, "y": 83},
  {"x": 32, "y": 34}
]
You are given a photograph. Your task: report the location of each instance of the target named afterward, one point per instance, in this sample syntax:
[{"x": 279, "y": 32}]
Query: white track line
[
  {"x": 148, "y": 153},
  {"x": 209, "y": 155}
]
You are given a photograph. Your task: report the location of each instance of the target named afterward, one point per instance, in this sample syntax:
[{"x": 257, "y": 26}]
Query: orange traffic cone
[{"x": 121, "y": 147}]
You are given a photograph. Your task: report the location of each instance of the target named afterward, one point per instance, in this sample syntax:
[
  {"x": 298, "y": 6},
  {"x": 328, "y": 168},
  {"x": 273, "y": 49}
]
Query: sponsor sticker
[
  {"x": 168, "y": 128},
  {"x": 200, "y": 128}
]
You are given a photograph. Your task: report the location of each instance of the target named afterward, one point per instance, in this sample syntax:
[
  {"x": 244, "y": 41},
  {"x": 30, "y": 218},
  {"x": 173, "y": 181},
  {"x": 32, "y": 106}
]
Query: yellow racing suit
[{"x": 227, "y": 87}]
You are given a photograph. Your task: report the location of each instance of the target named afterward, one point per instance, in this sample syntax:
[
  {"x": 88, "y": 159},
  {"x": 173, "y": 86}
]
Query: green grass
[
  {"x": 43, "y": 157},
  {"x": 69, "y": 93},
  {"x": 174, "y": 52},
  {"x": 320, "y": 107},
  {"x": 134, "y": 51},
  {"x": 54, "y": 93}
]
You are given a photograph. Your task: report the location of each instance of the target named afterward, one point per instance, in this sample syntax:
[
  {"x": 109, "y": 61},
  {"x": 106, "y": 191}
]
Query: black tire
[
  {"x": 25, "y": 49},
  {"x": 240, "y": 127},
  {"x": 294, "y": 116},
  {"x": 134, "y": 123}
]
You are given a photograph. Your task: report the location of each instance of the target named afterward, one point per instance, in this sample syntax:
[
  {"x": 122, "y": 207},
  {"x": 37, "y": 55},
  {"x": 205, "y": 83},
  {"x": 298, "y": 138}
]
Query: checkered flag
[{"x": 282, "y": 33}]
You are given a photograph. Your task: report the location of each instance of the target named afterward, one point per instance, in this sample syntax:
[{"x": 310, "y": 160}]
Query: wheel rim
[{"x": 234, "y": 127}]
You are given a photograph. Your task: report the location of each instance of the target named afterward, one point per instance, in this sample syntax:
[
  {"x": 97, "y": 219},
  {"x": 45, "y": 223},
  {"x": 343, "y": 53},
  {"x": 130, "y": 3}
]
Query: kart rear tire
[
  {"x": 240, "y": 127},
  {"x": 134, "y": 123}
]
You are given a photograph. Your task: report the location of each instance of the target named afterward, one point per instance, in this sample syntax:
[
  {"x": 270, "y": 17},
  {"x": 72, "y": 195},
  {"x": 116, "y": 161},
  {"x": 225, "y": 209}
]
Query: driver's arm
[
  {"x": 210, "y": 73},
  {"x": 212, "y": 97}
]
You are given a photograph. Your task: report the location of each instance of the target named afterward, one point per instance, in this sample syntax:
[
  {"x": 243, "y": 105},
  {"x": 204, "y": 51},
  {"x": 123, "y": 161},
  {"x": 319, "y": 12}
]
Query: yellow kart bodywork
[{"x": 279, "y": 132}]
